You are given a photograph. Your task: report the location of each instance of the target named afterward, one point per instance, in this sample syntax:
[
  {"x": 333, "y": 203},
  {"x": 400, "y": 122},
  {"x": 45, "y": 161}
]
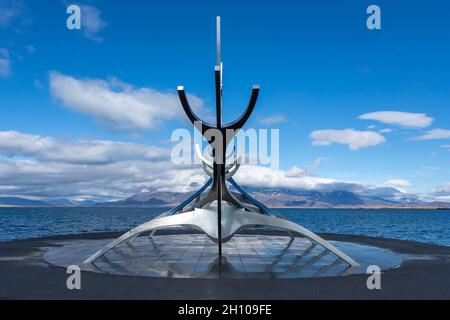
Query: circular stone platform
[
  {"x": 245, "y": 256},
  {"x": 423, "y": 272}
]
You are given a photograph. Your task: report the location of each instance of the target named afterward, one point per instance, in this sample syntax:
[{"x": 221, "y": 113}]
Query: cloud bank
[
  {"x": 353, "y": 139},
  {"x": 435, "y": 134},
  {"x": 272, "y": 120},
  {"x": 43, "y": 167},
  {"x": 257, "y": 176},
  {"x": 10, "y": 10},
  {"x": 442, "y": 190},
  {"x": 91, "y": 22},
  {"x": 404, "y": 119},
  {"x": 16, "y": 144},
  {"x": 5, "y": 63},
  {"x": 397, "y": 183},
  {"x": 118, "y": 105}
]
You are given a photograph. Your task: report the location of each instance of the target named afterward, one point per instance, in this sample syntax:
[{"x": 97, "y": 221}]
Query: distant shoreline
[{"x": 284, "y": 207}]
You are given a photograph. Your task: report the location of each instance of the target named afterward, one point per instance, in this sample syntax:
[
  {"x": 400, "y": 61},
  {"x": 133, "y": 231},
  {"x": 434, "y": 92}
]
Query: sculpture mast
[{"x": 219, "y": 155}]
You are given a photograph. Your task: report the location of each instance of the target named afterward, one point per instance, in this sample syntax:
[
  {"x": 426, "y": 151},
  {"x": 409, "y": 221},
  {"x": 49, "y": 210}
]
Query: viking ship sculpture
[{"x": 214, "y": 209}]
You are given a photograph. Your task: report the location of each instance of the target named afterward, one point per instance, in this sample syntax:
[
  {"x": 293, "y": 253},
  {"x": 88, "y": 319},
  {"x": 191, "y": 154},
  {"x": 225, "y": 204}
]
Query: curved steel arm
[
  {"x": 192, "y": 197},
  {"x": 190, "y": 113},
  {"x": 229, "y": 171},
  {"x": 232, "y": 172},
  {"x": 208, "y": 170},
  {"x": 239, "y": 123},
  {"x": 252, "y": 200},
  {"x": 187, "y": 201},
  {"x": 201, "y": 157},
  {"x": 235, "y": 220},
  {"x": 203, "y": 126},
  {"x": 228, "y": 165},
  {"x": 231, "y": 165}
]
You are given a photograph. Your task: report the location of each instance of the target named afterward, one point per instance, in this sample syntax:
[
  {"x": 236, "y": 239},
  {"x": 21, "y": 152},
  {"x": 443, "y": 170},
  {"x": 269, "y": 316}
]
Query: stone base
[
  {"x": 244, "y": 257},
  {"x": 422, "y": 273}
]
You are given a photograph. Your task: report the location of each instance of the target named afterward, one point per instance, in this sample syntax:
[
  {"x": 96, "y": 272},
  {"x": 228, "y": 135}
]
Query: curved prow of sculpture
[
  {"x": 202, "y": 219},
  {"x": 240, "y": 122},
  {"x": 252, "y": 200},
  {"x": 179, "y": 208},
  {"x": 201, "y": 125},
  {"x": 202, "y": 158}
]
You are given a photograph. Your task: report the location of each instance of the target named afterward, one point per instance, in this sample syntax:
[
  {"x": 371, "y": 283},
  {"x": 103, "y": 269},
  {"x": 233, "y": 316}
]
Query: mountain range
[
  {"x": 272, "y": 197},
  {"x": 61, "y": 202},
  {"x": 14, "y": 201},
  {"x": 284, "y": 198}
]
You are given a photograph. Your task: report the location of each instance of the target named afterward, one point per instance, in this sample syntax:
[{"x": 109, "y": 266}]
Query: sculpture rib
[{"x": 234, "y": 220}]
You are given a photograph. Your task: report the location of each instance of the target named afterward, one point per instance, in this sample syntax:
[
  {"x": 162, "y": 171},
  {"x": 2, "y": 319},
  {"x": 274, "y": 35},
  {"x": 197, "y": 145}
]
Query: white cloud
[
  {"x": 257, "y": 176},
  {"x": 44, "y": 167},
  {"x": 4, "y": 53},
  {"x": 42, "y": 148},
  {"x": 110, "y": 181},
  {"x": 446, "y": 146},
  {"x": 30, "y": 49},
  {"x": 10, "y": 10},
  {"x": 116, "y": 104},
  {"x": 377, "y": 191},
  {"x": 397, "y": 183},
  {"x": 5, "y": 67},
  {"x": 354, "y": 139},
  {"x": 272, "y": 120},
  {"x": 41, "y": 166},
  {"x": 386, "y": 130},
  {"x": 442, "y": 190},
  {"x": 404, "y": 119},
  {"x": 5, "y": 63},
  {"x": 435, "y": 134},
  {"x": 296, "y": 172},
  {"x": 91, "y": 22}
]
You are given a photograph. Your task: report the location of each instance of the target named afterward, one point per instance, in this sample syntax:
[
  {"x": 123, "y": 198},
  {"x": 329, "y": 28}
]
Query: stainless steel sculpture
[{"x": 214, "y": 209}]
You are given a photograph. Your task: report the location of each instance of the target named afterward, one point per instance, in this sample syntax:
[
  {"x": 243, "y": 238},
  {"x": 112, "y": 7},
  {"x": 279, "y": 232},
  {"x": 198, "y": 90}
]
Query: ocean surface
[{"x": 430, "y": 226}]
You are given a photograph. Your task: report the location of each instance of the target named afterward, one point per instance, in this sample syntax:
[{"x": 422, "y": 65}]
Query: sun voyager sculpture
[{"x": 214, "y": 209}]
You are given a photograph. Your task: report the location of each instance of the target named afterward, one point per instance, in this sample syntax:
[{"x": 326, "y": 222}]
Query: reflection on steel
[{"x": 215, "y": 209}]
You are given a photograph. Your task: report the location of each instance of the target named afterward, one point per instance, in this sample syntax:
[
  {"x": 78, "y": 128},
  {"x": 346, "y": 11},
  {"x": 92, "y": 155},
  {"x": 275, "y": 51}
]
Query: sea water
[{"x": 430, "y": 226}]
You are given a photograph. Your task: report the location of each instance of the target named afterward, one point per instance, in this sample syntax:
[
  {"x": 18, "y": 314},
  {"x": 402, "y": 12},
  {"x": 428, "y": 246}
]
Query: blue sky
[{"x": 67, "y": 93}]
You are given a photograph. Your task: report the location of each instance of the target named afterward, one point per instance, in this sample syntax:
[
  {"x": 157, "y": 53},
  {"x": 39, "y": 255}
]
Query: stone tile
[{"x": 247, "y": 256}]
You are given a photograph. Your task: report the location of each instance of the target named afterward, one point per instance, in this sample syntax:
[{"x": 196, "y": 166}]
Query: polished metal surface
[
  {"x": 245, "y": 256},
  {"x": 220, "y": 213},
  {"x": 233, "y": 220}
]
